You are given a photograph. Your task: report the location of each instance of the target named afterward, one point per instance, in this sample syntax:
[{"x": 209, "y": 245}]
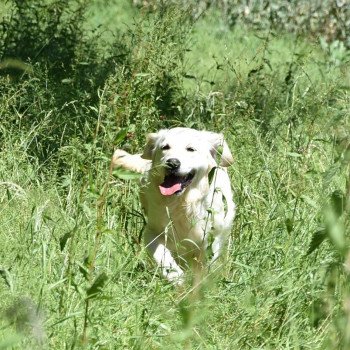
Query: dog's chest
[{"x": 185, "y": 222}]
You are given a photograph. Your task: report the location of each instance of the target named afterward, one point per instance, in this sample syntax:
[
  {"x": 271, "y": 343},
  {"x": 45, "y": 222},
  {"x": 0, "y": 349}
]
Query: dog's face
[{"x": 181, "y": 157}]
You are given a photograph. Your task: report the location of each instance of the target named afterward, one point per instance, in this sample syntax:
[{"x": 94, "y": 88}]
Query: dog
[{"x": 186, "y": 197}]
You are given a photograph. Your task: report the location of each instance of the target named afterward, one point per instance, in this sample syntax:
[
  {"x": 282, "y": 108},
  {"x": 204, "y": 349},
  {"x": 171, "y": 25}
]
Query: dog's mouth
[{"x": 175, "y": 184}]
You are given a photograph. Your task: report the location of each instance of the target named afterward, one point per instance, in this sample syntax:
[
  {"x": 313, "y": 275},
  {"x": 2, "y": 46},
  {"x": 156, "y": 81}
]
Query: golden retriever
[{"x": 186, "y": 196}]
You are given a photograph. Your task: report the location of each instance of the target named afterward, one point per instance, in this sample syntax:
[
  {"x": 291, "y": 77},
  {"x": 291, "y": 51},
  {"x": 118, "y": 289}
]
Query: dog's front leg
[
  {"x": 162, "y": 255},
  {"x": 217, "y": 247}
]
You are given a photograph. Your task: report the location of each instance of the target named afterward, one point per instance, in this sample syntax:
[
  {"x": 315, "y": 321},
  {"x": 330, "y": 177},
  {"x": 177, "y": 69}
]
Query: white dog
[{"x": 186, "y": 196}]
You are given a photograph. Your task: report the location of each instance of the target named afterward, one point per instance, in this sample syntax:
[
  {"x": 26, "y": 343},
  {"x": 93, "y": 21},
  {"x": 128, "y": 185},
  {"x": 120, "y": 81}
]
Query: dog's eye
[
  {"x": 190, "y": 149},
  {"x": 165, "y": 147}
]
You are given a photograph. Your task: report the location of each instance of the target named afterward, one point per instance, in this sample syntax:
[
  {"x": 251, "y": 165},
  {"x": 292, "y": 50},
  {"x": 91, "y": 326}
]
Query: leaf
[
  {"x": 309, "y": 201},
  {"x": 142, "y": 75},
  {"x": 330, "y": 173},
  {"x": 317, "y": 238},
  {"x": 5, "y": 274},
  {"x": 97, "y": 285},
  {"x": 255, "y": 70},
  {"x": 84, "y": 268},
  {"x": 126, "y": 174},
  {"x": 338, "y": 202},
  {"x": 289, "y": 224},
  {"x": 211, "y": 174},
  {"x": 189, "y": 76},
  {"x": 294, "y": 154},
  {"x": 66, "y": 81},
  {"x": 64, "y": 239},
  {"x": 121, "y": 135}
]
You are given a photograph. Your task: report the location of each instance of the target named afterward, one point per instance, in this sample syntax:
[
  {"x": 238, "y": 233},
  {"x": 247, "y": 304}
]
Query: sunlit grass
[
  {"x": 219, "y": 55},
  {"x": 73, "y": 270}
]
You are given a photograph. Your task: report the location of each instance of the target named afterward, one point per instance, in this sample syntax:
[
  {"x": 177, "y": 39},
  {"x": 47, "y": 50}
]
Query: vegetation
[{"x": 78, "y": 79}]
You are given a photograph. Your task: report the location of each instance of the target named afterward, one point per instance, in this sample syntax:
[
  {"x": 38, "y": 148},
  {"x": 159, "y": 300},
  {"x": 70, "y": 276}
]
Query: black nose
[{"x": 173, "y": 164}]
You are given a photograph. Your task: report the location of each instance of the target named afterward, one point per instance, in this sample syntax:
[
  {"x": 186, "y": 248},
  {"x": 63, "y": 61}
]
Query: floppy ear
[
  {"x": 219, "y": 151},
  {"x": 148, "y": 150}
]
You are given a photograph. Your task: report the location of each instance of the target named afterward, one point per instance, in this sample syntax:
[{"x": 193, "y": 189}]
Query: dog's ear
[
  {"x": 150, "y": 143},
  {"x": 219, "y": 149}
]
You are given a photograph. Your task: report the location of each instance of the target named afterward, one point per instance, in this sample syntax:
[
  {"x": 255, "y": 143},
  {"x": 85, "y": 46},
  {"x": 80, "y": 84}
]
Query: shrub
[
  {"x": 328, "y": 19},
  {"x": 146, "y": 93},
  {"x": 51, "y": 73}
]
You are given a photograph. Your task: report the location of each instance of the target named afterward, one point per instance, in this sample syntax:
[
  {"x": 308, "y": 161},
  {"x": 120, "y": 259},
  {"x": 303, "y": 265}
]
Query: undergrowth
[{"x": 73, "y": 270}]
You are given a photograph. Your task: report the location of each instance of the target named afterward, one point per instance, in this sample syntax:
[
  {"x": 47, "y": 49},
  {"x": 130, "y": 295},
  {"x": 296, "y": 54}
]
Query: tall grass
[{"x": 73, "y": 269}]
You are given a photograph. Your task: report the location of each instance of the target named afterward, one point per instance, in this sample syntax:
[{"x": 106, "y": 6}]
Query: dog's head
[{"x": 183, "y": 156}]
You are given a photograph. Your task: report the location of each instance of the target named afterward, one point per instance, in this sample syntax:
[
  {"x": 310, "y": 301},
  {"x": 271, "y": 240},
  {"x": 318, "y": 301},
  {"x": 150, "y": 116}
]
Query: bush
[
  {"x": 328, "y": 19},
  {"x": 49, "y": 33},
  {"x": 146, "y": 93},
  {"x": 51, "y": 72}
]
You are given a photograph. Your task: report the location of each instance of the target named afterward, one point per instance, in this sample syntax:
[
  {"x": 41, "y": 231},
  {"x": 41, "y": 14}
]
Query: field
[{"x": 78, "y": 81}]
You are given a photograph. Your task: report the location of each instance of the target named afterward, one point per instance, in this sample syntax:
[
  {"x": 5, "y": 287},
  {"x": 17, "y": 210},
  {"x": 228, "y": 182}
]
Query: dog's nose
[{"x": 173, "y": 164}]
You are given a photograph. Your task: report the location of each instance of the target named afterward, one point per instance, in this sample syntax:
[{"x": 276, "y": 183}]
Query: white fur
[{"x": 179, "y": 226}]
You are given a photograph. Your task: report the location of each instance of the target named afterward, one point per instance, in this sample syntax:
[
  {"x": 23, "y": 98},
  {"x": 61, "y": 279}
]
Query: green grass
[{"x": 73, "y": 272}]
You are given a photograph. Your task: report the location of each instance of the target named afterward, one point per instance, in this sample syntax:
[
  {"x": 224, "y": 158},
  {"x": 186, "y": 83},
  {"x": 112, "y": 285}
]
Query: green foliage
[
  {"x": 146, "y": 93},
  {"x": 327, "y": 19},
  {"x": 66, "y": 67},
  {"x": 73, "y": 270},
  {"x": 43, "y": 32}
]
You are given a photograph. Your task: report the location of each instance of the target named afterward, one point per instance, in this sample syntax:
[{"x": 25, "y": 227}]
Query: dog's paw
[
  {"x": 119, "y": 158},
  {"x": 119, "y": 153}
]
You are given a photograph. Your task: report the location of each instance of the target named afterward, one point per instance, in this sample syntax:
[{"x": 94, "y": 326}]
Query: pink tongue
[{"x": 168, "y": 191}]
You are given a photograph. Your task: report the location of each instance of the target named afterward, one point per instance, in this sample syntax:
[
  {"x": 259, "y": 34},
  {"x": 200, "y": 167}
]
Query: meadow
[{"x": 79, "y": 79}]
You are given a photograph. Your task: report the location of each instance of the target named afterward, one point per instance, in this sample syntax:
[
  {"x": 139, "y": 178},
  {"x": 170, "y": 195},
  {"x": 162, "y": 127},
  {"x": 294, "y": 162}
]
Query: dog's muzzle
[{"x": 174, "y": 182}]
